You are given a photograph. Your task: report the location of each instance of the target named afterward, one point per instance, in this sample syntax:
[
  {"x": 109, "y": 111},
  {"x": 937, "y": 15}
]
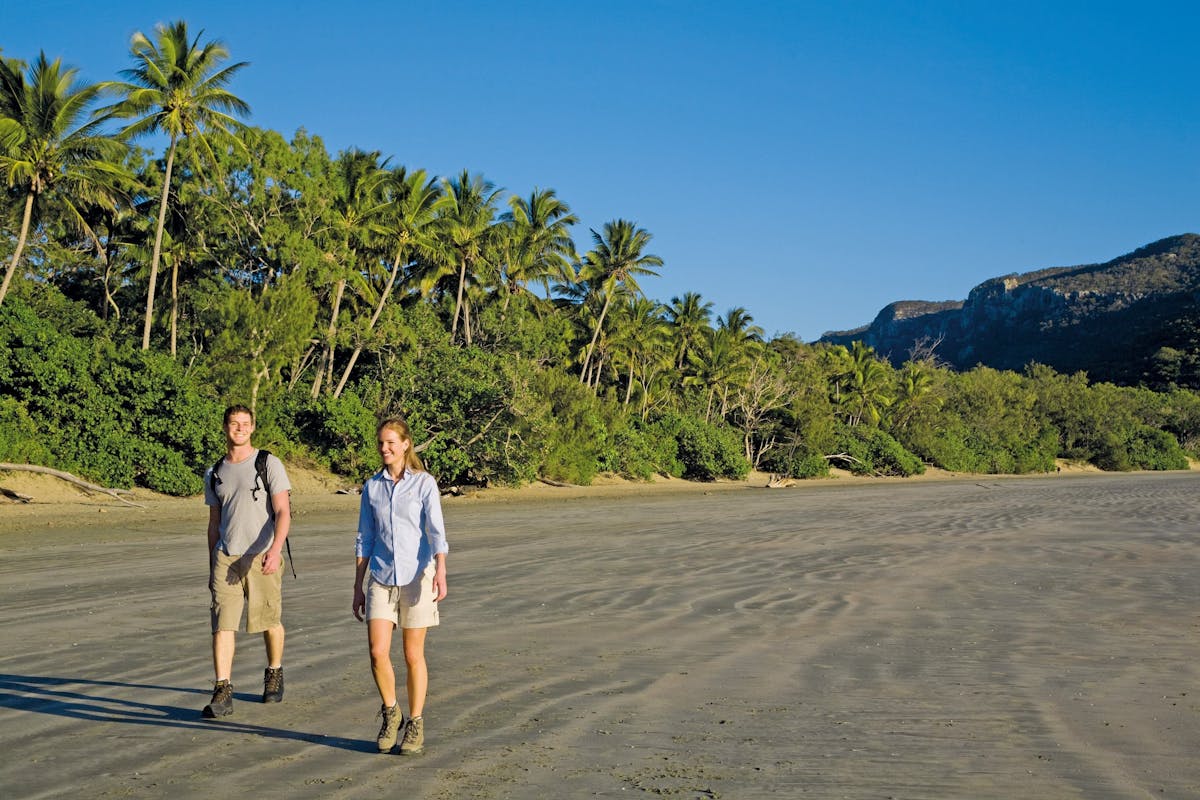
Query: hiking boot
[
  {"x": 414, "y": 737},
  {"x": 221, "y": 704},
  {"x": 393, "y": 718},
  {"x": 273, "y": 685}
]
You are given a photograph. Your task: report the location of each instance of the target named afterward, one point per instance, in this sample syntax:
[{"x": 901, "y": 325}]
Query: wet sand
[{"x": 974, "y": 638}]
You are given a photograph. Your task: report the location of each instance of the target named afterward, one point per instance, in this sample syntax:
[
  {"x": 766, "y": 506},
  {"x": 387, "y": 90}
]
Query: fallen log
[
  {"x": 69, "y": 478},
  {"x": 559, "y": 484},
  {"x": 10, "y": 494}
]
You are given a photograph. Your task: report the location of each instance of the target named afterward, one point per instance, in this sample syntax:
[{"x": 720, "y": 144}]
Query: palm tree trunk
[
  {"x": 21, "y": 237},
  {"x": 158, "y": 234},
  {"x": 174, "y": 303},
  {"x": 383, "y": 298},
  {"x": 598, "y": 372},
  {"x": 327, "y": 357},
  {"x": 595, "y": 334},
  {"x": 462, "y": 281},
  {"x": 102, "y": 254},
  {"x": 299, "y": 364},
  {"x": 467, "y": 321}
]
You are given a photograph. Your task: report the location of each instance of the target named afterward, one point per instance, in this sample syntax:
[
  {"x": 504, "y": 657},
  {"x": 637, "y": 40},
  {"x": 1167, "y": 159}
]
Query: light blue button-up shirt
[{"x": 400, "y": 527}]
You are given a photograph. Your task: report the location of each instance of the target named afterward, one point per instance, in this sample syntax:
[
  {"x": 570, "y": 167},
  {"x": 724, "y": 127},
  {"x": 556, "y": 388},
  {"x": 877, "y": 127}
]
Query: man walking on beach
[{"x": 249, "y": 516}]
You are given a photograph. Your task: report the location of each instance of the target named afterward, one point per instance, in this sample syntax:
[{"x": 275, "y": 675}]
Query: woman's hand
[
  {"x": 439, "y": 581},
  {"x": 359, "y": 606}
]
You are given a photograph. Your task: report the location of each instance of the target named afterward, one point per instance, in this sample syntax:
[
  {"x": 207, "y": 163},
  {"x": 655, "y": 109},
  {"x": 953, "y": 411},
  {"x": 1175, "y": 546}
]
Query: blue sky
[{"x": 810, "y": 162}]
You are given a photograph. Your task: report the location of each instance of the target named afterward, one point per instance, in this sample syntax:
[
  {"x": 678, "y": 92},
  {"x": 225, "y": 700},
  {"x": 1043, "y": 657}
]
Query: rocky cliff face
[{"x": 1133, "y": 319}]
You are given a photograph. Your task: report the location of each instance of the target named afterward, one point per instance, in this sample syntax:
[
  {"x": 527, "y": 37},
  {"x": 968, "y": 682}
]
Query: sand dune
[{"x": 1021, "y": 638}]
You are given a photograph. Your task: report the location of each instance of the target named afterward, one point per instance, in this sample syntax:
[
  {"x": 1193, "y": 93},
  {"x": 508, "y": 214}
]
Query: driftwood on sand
[{"x": 69, "y": 478}]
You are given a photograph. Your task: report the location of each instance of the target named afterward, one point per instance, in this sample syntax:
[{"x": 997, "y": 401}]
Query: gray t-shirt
[{"x": 247, "y": 526}]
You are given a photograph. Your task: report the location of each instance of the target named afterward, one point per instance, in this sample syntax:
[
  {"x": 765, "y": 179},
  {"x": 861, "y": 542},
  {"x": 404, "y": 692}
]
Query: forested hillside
[{"x": 145, "y": 289}]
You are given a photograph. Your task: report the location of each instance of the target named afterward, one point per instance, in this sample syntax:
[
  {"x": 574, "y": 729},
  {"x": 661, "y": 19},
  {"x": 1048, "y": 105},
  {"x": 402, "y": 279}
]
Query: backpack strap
[
  {"x": 260, "y": 475},
  {"x": 213, "y": 478}
]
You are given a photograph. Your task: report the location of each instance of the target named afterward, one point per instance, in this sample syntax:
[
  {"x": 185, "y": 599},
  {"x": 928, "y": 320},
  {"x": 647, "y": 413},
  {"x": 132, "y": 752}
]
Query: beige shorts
[
  {"x": 410, "y": 606},
  {"x": 237, "y": 582}
]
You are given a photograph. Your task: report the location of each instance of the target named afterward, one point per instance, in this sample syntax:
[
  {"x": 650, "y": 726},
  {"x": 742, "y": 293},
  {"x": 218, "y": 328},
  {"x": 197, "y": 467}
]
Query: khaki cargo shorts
[{"x": 237, "y": 582}]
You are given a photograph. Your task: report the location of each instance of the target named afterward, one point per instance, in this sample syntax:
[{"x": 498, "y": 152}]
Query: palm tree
[
  {"x": 467, "y": 215},
  {"x": 641, "y": 342},
  {"x": 408, "y": 216},
  {"x": 357, "y": 212},
  {"x": 868, "y": 385},
  {"x": 689, "y": 315},
  {"x": 616, "y": 260},
  {"x": 540, "y": 245},
  {"x": 740, "y": 325},
  {"x": 915, "y": 387},
  {"x": 716, "y": 367},
  {"x": 46, "y": 146},
  {"x": 177, "y": 87}
]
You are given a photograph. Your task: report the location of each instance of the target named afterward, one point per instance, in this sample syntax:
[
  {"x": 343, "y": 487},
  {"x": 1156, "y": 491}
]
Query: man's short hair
[{"x": 237, "y": 409}]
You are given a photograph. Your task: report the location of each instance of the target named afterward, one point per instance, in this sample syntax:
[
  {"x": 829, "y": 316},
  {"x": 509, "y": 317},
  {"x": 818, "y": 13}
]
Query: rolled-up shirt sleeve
[
  {"x": 364, "y": 542},
  {"x": 434, "y": 525}
]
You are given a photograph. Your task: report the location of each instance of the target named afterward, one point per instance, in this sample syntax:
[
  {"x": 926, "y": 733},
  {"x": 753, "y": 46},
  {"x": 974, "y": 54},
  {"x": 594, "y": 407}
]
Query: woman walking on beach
[{"x": 401, "y": 542}]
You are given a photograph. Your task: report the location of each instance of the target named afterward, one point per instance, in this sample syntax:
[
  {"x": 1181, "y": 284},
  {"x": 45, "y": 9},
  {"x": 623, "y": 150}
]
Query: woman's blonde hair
[{"x": 411, "y": 459}]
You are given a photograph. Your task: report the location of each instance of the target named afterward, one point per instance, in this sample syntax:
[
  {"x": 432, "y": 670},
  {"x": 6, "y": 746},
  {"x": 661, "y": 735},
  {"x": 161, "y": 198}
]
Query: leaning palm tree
[
  {"x": 357, "y": 209},
  {"x": 177, "y": 87},
  {"x": 47, "y": 146},
  {"x": 617, "y": 260},
  {"x": 407, "y": 218}
]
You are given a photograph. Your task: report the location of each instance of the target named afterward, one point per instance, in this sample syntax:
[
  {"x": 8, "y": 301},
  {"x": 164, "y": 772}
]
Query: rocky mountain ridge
[{"x": 1134, "y": 319}]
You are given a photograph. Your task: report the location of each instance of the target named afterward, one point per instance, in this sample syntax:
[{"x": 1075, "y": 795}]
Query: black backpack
[{"x": 260, "y": 476}]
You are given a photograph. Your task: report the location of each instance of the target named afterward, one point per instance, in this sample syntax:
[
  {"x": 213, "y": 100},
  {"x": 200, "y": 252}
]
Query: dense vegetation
[{"x": 142, "y": 292}]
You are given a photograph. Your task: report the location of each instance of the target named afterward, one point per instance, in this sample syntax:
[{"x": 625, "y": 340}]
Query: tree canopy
[{"x": 329, "y": 290}]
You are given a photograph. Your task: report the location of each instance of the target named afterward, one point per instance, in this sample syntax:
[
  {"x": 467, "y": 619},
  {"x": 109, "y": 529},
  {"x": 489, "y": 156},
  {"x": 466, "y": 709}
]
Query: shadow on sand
[{"x": 69, "y": 697}]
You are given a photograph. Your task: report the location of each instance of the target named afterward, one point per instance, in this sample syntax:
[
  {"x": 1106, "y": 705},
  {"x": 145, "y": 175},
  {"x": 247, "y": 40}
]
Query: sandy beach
[{"x": 967, "y": 637}]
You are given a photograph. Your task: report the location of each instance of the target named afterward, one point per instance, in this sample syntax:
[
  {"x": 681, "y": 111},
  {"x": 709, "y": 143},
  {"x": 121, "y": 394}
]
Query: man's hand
[{"x": 271, "y": 561}]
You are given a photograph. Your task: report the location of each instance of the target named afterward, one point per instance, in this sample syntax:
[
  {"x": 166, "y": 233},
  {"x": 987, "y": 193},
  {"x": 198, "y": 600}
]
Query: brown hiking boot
[
  {"x": 221, "y": 704},
  {"x": 414, "y": 737},
  {"x": 273, "y": 685},
  {"x": 393, "y": 718}
]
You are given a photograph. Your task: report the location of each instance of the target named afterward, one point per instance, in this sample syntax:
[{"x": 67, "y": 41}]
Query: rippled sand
[{"x": 1021, "y": 638}]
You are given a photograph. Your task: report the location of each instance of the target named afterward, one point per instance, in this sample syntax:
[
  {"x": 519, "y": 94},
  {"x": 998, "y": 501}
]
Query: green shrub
[
  {"x": 113, "y": 414},
  {"x": 1142, "y": 447},
  {"x": 473, "y": 409},
  {"x": 875, "y": 452},
  {"x": 640, "y": 450},
  {"x": 342, "y": 430},
  {"x": 20, "y": 437},
  {"x": 798, "y": 462},
  {"x": 573, "y": 436},
  {"x": 705, "y": 451}
]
